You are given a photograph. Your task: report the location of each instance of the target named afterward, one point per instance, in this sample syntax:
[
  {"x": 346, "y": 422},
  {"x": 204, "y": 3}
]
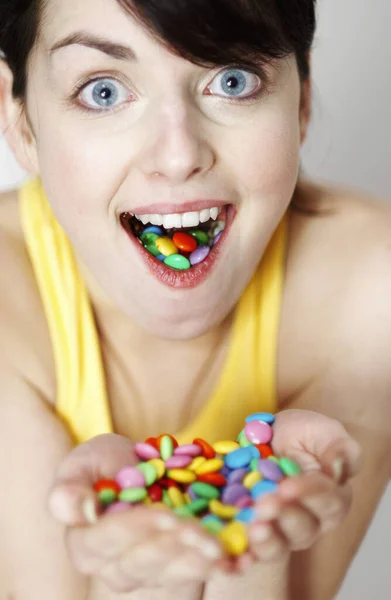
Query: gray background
[{"x": 349, "y": 143}]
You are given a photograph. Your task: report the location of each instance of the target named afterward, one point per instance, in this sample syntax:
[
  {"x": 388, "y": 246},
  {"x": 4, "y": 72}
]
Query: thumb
[
  {"x": 341, "y": 460},
  {"x": 72, "y": 499}
]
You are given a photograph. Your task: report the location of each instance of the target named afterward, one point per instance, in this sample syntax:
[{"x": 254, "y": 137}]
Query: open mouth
[{"x": 181, "y": 248}]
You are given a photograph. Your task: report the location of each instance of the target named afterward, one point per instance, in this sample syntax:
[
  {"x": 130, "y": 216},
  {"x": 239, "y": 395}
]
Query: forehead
[{"x": 106, "y": 18}]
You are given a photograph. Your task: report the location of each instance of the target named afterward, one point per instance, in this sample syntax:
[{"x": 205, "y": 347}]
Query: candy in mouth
[{"x": 178, "y": 246}]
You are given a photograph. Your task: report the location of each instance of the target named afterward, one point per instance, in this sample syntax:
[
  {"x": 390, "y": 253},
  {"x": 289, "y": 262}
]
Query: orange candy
[
  {"x": 159, "y": 439},
  {"x": 184, "y": 241},
  {"x": 206, "y": 448},
  {"x": 152, "y": 442}
]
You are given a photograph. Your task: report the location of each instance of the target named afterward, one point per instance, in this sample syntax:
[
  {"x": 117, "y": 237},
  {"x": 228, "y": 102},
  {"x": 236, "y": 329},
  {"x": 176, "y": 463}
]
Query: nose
[{"x": 176, "y": 151}]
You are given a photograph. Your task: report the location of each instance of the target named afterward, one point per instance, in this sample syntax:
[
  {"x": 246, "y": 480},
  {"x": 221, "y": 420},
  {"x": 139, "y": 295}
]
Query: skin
[{"x": 202, "y": 146}]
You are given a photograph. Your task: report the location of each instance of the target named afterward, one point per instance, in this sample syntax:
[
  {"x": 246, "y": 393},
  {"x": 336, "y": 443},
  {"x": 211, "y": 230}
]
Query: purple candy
[
  {"x": 199, "y": 255},
  {"x": 218, "y": 236},
  {"x": 237, "y": 476},
  {"x": 232, "y": 493},
  {"x": 225, "y": 471},
  {"x": 188, "y": 450},
  {"x": 192, "y": 493},
  {"x": 146, "y": 451},
  {"x": 181, "y": 461},
  {"x": 270, "y": 470}
]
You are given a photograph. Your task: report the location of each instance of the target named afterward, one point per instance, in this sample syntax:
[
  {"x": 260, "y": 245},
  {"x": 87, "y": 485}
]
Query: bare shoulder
[
  {"x": 24, "y": 340},
  {"x": 338, "y": 283}
]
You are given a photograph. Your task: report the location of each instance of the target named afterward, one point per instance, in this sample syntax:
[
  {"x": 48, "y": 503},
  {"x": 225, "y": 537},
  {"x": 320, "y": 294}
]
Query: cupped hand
[
  {"x": 305, "y": 506},
  {"x": 137, "y": 548}
]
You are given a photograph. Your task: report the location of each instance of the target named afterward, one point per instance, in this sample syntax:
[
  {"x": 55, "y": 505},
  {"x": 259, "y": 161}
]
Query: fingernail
[
  {"x": 260, "y": 534},
  {"x": 166, "y": 523},
  {"x": 267, "y": 513},
  {"x": 89, "y": 511},
  {"x": 337, "y": 469}
]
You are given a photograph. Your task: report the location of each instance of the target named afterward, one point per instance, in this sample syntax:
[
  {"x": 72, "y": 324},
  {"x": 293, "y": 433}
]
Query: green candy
[
  {"x": 166, "y": 447},
  {"x": 149, "y": 472},
  {"x": 254, "y": 464},
  {"x": 167, "y": 499},
  {"x": 212, "y": 524},
  {"x": 205, "y": 490},
  {"x": 289, "y": 467},
  {"x": 149, "y": 242},
  {"x": 197, "y": 506},
  {"x": 201, "y": 237},
  {"x": 133, "y": 495},
  {"x": 183, "y": 511},
  {"x": 242, "y": 440},
  {"x": 107, "y": 497},
  {"x": 177, "y": 261}
]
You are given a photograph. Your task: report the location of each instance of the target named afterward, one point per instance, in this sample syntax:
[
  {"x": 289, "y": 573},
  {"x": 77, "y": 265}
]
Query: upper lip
[{"x": 161, "y": 208}]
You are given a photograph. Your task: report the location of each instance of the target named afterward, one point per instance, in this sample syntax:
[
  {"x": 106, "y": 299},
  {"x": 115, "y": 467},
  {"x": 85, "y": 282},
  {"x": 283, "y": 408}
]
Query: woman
[{"x": 188, "y": 117}]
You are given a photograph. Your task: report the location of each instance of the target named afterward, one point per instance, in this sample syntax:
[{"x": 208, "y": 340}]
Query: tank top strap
[{"x": 81, "y": 389}]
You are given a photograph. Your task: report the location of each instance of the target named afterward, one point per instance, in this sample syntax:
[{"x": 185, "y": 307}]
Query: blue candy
[
  {"x": 262, "y": 416},
  {"x": 239, "y": 458},
  {"x": 254, "y": 452},
  {"x": 154, "y": 229},
  {"x": 161, "y": 257},
  {"x": 263, "y": 487},
  {"x": 247, "y": 515}
]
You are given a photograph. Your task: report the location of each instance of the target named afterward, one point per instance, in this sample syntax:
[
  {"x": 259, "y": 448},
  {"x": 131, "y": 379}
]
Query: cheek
[{"x": 267, "y": 162}]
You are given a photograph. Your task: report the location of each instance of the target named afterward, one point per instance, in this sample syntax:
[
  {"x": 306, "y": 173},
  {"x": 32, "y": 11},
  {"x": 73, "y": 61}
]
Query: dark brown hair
[{"x": 206, "y": 32}]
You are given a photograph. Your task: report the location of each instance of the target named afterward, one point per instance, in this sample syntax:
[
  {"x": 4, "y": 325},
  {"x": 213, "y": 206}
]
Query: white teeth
[
  {"x": 204, "y": 215},
  {"x": 189, "y": 219}
]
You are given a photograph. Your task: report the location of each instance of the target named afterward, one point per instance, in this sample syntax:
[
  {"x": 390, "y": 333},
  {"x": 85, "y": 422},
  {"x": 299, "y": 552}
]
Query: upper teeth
[{"x": 177, "y": 220}]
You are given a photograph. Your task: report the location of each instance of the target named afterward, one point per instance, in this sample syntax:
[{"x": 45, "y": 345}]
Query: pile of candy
[
  {"x": 178, "y": 248},
  {"x": 217, "y": 484}
]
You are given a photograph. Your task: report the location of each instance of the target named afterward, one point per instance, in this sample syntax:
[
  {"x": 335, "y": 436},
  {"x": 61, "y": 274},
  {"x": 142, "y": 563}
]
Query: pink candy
[
  {"x": 258, "y": 433},
  {"x": 188, "y": 450},
  {"x": 179, "y": 462},
  {"x": 117, "y": 507},
  {"x": 146, "y": 451},
  {"x": 130, "y": 477}
]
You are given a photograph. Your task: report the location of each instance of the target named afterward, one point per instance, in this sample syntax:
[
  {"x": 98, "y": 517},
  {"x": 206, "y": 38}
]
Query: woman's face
[{"x": 168, "y": 133}]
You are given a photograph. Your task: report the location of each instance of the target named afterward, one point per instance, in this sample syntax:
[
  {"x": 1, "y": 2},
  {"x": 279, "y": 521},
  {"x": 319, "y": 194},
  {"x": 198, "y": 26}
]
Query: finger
[
  {"x": 299, "y": 526},
  {"x": 72, "y": 499},
  {"x": 341, "y": 460},
  {"x": 330, "y": 508},
  {"x": 305, "y": 485},
  {"x": 267, "y": 543}
]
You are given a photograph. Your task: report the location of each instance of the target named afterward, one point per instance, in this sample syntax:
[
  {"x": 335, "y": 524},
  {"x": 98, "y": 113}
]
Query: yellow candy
[
  {"x": 224, "y": 511},
  {"x": 197, "y": 462},
  {"x": 251, "y": 479},
  {"x": 210, "y": 466},
  {"x": 187, "y": 498},
  {"x": 225, "y": 446},
  {"x": 181, "y": 475},
  {"x": 147, "y": 501},
  {"x": 166, "y": 246},
  {"x": 234, "y": 538},
  {"x": 176, "y": 497},
  {"x": 159, "y": 465}
]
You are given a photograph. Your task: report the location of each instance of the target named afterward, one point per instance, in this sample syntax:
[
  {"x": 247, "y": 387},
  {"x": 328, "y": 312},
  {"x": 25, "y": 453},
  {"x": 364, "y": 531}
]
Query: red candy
[
  {"x": 264, "y": 450},
  {"x": 107, "y": 484},
  {"x": 184, "y": 241},
  {"x": 213, "y": 479},
  {"x": 166, "y": 483},
  {"x": 207, "y": 450},
  {"x": 152, "y": 442},
  {"x": 155, "y": 492}
]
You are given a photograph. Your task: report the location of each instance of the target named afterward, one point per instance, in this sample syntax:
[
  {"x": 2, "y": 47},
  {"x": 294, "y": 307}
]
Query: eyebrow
[{"x": 83, "y": 38}]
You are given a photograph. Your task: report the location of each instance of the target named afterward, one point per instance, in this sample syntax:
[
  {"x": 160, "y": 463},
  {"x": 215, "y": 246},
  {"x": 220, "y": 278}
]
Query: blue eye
[
  {"x": 234, "y": 82},
  {"x": 104, "y": 93}
]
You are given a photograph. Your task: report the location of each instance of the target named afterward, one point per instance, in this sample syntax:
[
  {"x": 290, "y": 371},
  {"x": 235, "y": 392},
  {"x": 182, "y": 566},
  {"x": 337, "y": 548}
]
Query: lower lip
[{"x": 196, "y": 274}]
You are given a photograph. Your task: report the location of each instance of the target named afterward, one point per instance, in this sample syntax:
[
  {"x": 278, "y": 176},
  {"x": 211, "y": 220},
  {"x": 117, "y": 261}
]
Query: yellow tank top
[{"x": 248, "y": 380}]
